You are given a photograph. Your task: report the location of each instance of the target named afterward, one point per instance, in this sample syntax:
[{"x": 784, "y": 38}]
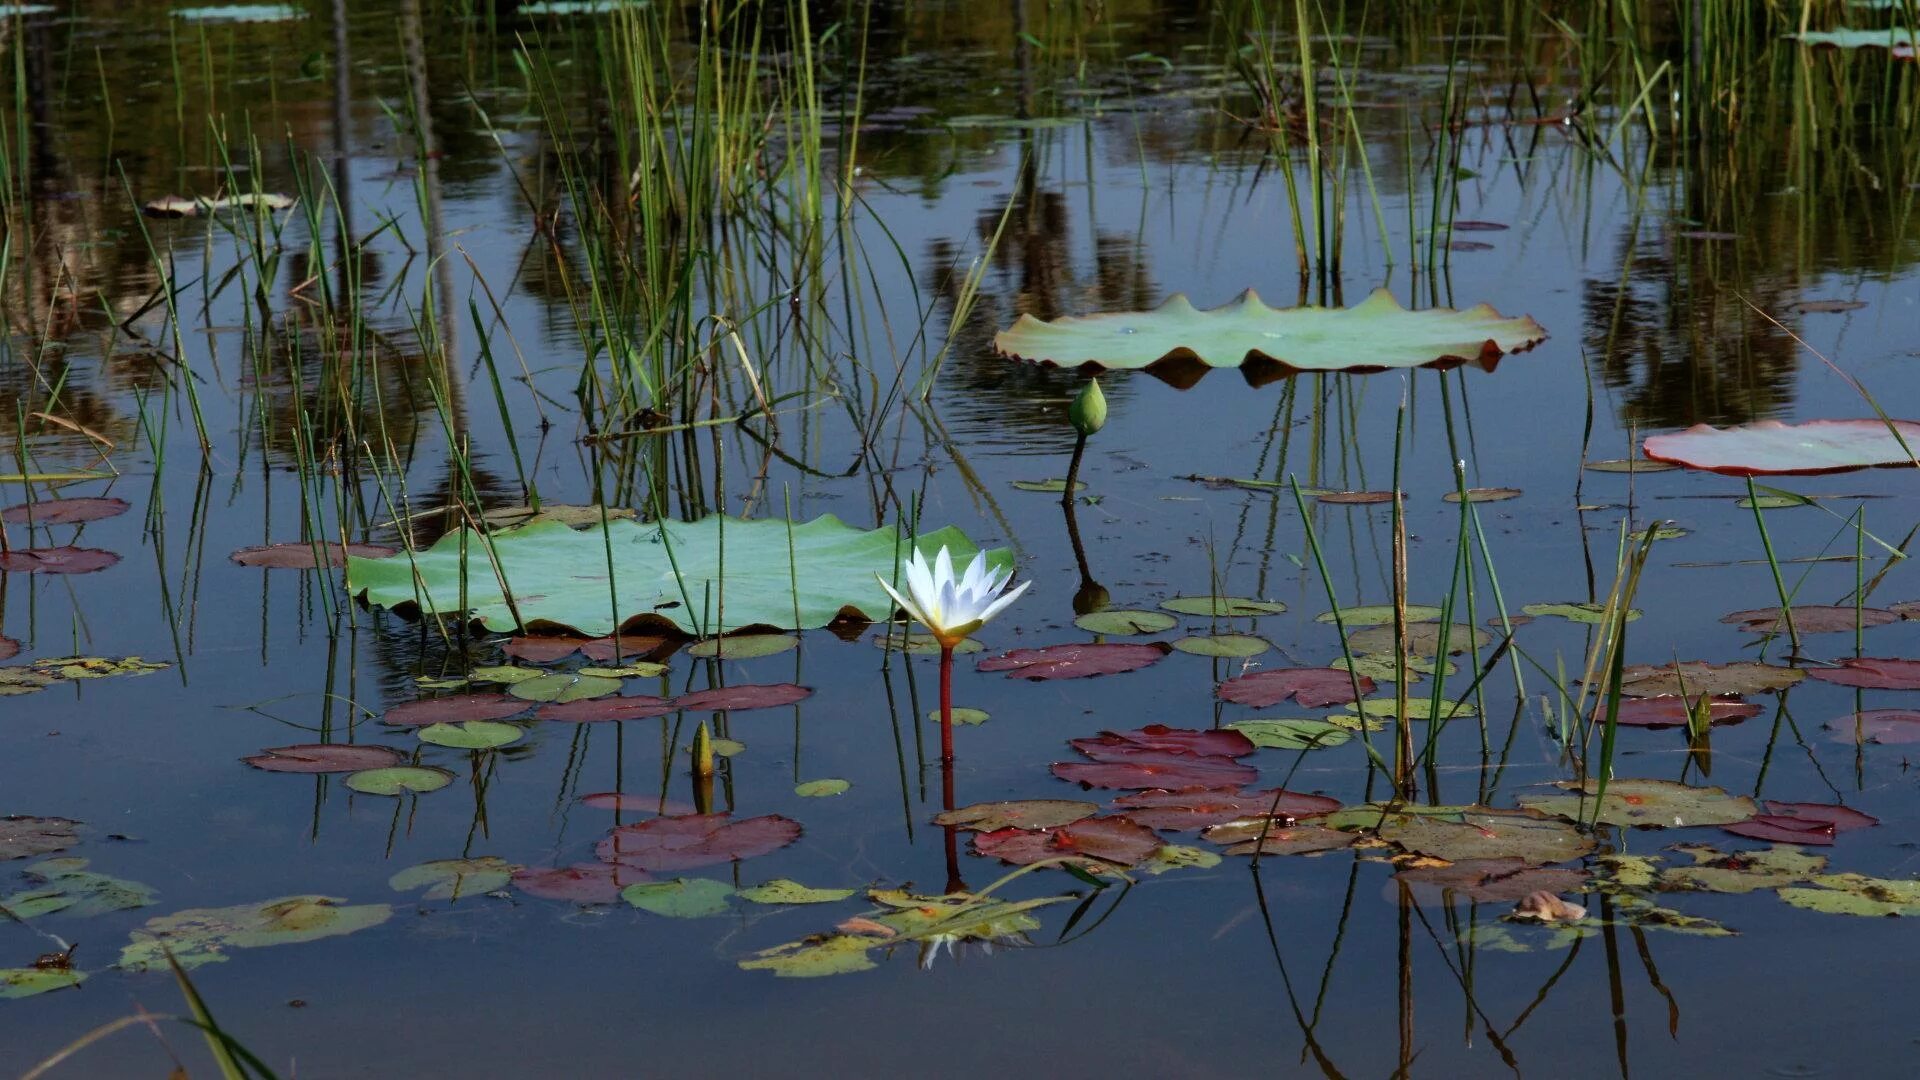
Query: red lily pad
[
  {"x": 56, "y": 560},
  {"x": 9, "y": 648},
  {"x": 597, "y": 710},
  {"x": 1188, "y": 772},
  {"x": 749, "y": 696},
  {"x": 1782, "y": 829},
  {"x": 300, "y": 555},
  {"x": 629, "y": 647},
  {"x": 1078, "y": 660},
  {"x": 1659, "y": 712},
  {"x": 635, "y": 802},
  {"x": 1492, "y": 880},
  {"x": 681, "y": 843},
  {"x": 1872, "y": 673},
  {"x": 324, "y": 758},
  {"x": 546, "y": 648},
  {"x": 1311, "y": 687},
  {"x": 1108, "y": 839},
  {"x": 1842, "y": 818},
  {"x": 582, "y": 883},
  {"x": 1771, "y": 448},
  {"x": 1880, "y": 726},
  {"x": 1197, "y": 808},
  {"x": 63, "y": 511},
  {"x": 1119, "y": 745},
  {"x": 454, "y": 708},
  {"x": 1809, "y": 619}
]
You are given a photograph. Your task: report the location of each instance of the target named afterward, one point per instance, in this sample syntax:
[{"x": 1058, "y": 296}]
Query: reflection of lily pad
[{"x": 1657, "y": 804}]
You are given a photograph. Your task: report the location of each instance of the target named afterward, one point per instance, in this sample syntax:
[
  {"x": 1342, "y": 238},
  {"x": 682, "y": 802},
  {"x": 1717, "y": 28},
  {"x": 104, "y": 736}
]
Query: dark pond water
[{"x": 1110, "y": 155}]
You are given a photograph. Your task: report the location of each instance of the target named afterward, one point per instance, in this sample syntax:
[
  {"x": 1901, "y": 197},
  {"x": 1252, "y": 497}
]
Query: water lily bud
[
  {"x": 1092, "y": 597},
  {"x": 1088, "y": 413},
  {"x": 702, "y": 751}
]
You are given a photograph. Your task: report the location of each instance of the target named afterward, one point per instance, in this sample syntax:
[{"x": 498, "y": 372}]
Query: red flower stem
[{"x": 946, "y": 704}]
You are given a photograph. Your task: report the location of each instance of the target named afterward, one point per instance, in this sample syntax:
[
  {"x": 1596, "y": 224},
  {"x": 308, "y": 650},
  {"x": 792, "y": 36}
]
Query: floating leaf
[
  {"x": 573, "y": 517},
  {"x": 1790, "y": 830},
  {"x": 471, "y": 735},
  {"x": 1245, "y": 838},
  {"x": 562, "y": 687},
  {"x": 683, "y": 843},
  {"x": 1378, "y": 615},
  {"x": 1872, "y": 673},
  {"x": 1660, "y": 532},
  {"x": 582, "y": 883},
  {"x": 1879, "y": 726},
  {"x": 1525, "y": 937},
  {"x": 559, "y": 575},
  {"x": 1422, "y": 639},
  {"x": 1125, "y": 622},
  {"x": 1742, "y": 871},
  {"x": 23, "y": 680},
  {"x": 1197, "y": 808},
  {"x": 783, "y": 891},
  {"x": 1223, "y": 607},
  {"x": 724, "y": 747},
  {"x": 1355, "y": 498},
  {"x": 1017, "y": 814},
  {"x": 642, "y": 670},
  {"x": 1696, "y": 677},
  {"x": 741, "y": 698},
  {"x": 1311, "y": 687},
  {"x": 1485, "y": 494},
  {"x": 1478, "y": 832},
  {"x": 1078, "y": 660},
  {"x": 633, "y": 801},
  {"x": 548, "y": 648},
  {"x": 505, "y": 674},
  {"x": 1591, "y": 614},
  {"x": 1193, "y": 772},
  {"x": 1658, "y": 804},
  {"x": 1809, "y": 619},
  {"x": 63, "y": 511},
  {"x": 400, "y": 780},
  {"x": 816, "y": 789},
  {"x": 69, "y": 888},
  {"x": 451, "y": 879},
  {"x": 681, "y": 898},
  {"x": 1841, "y": 818},
  {"x": 1054, "y": 486},
  {"x": 1161, "y": 740},
  {"x": 18, "y": 983},
  {"x": 1902, "y": 43},
  {"x": 453, "y": 709},
  {"x": 1629, "y": 465},
  {"x": 1108, "y": 839},
  {"x": 1857, "y": 894},
  {"x": 1386, "y": 668},
  {"x": 1293, "y": 734},
  {"x": 96, "y": 667},
  {"x": 22, "y": 837},
  {"x": 1179, "y": 857},
  {"x": 56, "y": 560},
  {"x": 1492, "y": 880},
  {"x": 1771, "y": 448},
  {"x": 324, "y": 758},
  {"x": 201, "y": 935},
  {"x": 743, "y": 646},
  {"x": 838, "y": 954},
  {"x": 599, "y": 710},
  {"x": 962, "y": 716},
  {"x": 298, "y": 555},
  {"x": 1180, "y": 342},
  {"x": 1225, "y": 646},
  {"x": 1657, "y": 712}
]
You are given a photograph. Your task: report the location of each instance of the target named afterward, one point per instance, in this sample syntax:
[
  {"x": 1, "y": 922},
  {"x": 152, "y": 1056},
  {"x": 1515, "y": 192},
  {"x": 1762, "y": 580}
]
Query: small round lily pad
[
  {"x": 1378, "y": 615},
  {"x": 399, "y": 780},
  {"x": 1629, "y": 465},
  {"x": 561, "y": 687},
  {"x": 1120, "y": 621},
  {"x": 1226, "y": 646},
  {"x": 962, "y": 716},
  {"x": 471, "y": 734},
  {"x": 1485, "y": 494},
  {"x": 1054, "y": 486},
  {"x": 742, "y": 646},
  {"x": 817, "y": 789},
  {"x": 1223, "y": 606}
]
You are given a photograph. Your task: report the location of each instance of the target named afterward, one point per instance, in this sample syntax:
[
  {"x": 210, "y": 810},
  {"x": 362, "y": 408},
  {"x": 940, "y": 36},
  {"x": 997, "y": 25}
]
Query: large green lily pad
[
  {"x": 559, "y": 575},
  {"x": 1181, "y": 342},
  {"x": 200, "y": 935},
  {"x": 1742, "y": 871},
  {"x": 1480, "y": 832},
  {"x": 681, "y": 898},
  {"x": 1653, "y": 804}
]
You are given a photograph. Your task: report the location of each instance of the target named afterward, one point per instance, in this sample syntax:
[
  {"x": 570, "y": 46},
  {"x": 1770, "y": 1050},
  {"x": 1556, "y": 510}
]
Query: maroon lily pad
[
  {"x": 1197, "y": 808},
  {"x": 9, "y": 648},
  {"x": 749, "y": 696},
  {"x": 1493, "y": 880},
  {"x": 1771, "y": 448},
  {"x": 1783, "y": 829},
  {"x": 1809, "y": 619},
  {"x": 629, "y": 647},
  {"x": 1307, "y": 839},
  {"x": 582, "y": 883},
  {"x": 1078, "y": 660},
  {"x": 300, "y": 555},
  {"x": 1108, "y": 839},
  {"x": 681, "y": 843},
  {"x": 596, "y": 710},
  {"x": 1659, "y": 712},
  {"x": 324, "y": 758},
  {"x": 546, "y": 648},
  {"x": 56, "y": 560},
  {"x": 1877, "y": 726},
  {"x": 454, "y": 708},
  {"x": 1184, "y": 772},
  {"x": 1872, "y": 673},
  {"x": 1311, "y": 687},
  {"x": 635, "y": 802},
  {"x": 1842, "y": 818},
  {"x": 1159, "y": 738},
  {"x": 63, "y": 511}
]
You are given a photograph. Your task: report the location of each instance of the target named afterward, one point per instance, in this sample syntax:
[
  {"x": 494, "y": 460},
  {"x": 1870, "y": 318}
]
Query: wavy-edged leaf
[{"x": 1771, "y": 448}]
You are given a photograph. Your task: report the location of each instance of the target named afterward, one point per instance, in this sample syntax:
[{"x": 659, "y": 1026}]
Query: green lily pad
[
  {"x": 1224, "y": 646},
  {"x": 743, "y": 646},
  {"x": 1125, "y": 622},
  {"x": 1378, "y": 615},
  {"x": 1742, "y": 871},
  {"x": 1018, "y": 814},
  {"x": 22, "y": 836},
  {"x": 1526, "y": 937},
  {"x": 726, "y": 747},
  {"x": 681, "y": 898},
  {"x": 1656, "y": 804},
  {"x": 1663, "y": 532},
  {"x": 26, "y": 982},
  {"x": 96, "y": 667},
  {"x": 1629, "y": 871},
  {"x": 1479, "y": 832},
  {"x": 1423, "y": 639},
  {"x": 559, "y": 575},
  {"x": 645, "y": 669},
  {"x": 201, "y": 935},
  {"x": 1054, "y": 486},
  {"x": 1419, "y": 707},
  {"x": 1486, "y": 494},
  {"x": 471, "y": 734},
  {"x": 68, "y": 887},
  {"x": 16, "y": 680},
  {"x": 783, "y": 891},
  {"x": 817, "y": 789},
  {"x": 504, "y": 674},
  {"x": 564, "y": 686},
  {"x": 1771, "y": 502},
  {"x": 838, "y": 954},
  {"x": 399, "y": 780},
  {"x": 1375, "y": 335},
  {"x": 1222, "y": 606},
  {"x": 451, "y": 879},
  {"x": 1385, "y": 669},
  {"x": 241, "y": 13},
  {"x": 1740, "y": 677},
  {"x": 1857, "y": 894},
  {"x": 1179, "y": 857},
  {"x": 1293, "y": 734},
  {"x": 1591, "y": 614},
  {"x": 966, "y": 716}
]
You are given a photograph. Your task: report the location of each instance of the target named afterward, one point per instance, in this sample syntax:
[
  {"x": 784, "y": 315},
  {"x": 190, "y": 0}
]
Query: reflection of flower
[
  {"x": 951, "y": 609},
  {"x": 980, "y": 940}
]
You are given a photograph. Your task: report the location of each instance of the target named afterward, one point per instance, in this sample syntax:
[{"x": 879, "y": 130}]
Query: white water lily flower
[{"x": 949, "y": 609}]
